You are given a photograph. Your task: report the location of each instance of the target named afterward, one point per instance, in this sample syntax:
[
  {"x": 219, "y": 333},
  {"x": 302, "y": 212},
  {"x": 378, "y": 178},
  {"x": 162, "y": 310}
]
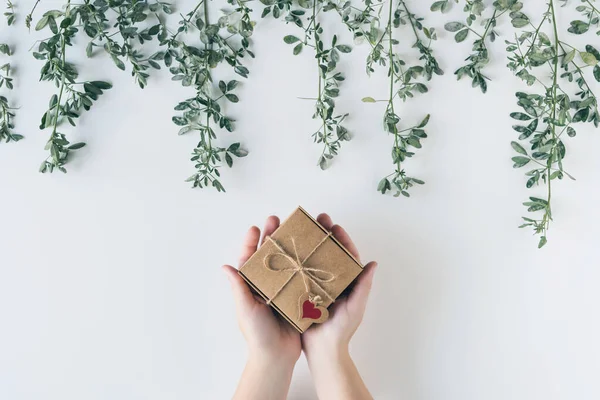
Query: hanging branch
[
  {"x": 99, "y": 16},
  {"x": 10, "y": 13},
  {"x": 403, "y": 76},
  {"x": 551, "y": 113},
  {"x": 591, "y": 12},
  {"x": 6, "y": 111},
  {"x": 73, "y": 97},
  {"x": 480, "y": 56},
  {"x": 331, "y": 132},
  {"x": 222, "y": 44}
]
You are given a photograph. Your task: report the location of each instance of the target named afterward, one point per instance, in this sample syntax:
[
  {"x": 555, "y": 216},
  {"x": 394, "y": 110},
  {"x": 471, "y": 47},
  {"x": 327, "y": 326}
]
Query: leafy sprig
[
  {"x": 6, "y": 111},
  {"x": 403, "y": 76},
  {"x": 105, "y": 21},
  {"x": 331, "y": 132},
  {"x": 443, "y": 5},
  {"x": 73, "y": 97},
  {"x": 10, "y": 12},
  {"x": 222, "y": 44},
  {"x": 549, "y": 115},
  {"x": 591, "y": 14},
  {"x": 475, "y": 11}
]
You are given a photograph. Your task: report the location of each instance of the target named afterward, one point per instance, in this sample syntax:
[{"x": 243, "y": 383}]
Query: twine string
[{"x": 313, "y": 275}]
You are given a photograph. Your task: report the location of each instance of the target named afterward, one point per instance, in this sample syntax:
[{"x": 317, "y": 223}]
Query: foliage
[
  {"x": 10, "y": 12},
  {"x": 73, "y": 97},
  {"x": 475, "y": 10},
  {"x": 6, "y": 111},
  {"x": 549, "y": 115},
  {"x": 403, "y": 77},
  {"x": 98, "y": 17},
  {"x": 331, "y": 132},
  {"x": 591, "y": 18},
  {"x": 222, "y": 44}
]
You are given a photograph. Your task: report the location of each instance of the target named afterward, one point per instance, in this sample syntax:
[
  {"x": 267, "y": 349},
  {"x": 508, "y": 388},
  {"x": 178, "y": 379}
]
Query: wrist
[
  {"x": 266, "y": 361},
  {"x": 323, "y": 354}
]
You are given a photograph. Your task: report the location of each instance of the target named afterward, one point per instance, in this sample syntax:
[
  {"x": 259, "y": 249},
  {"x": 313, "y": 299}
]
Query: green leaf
[
  {"x": 101, "y": 85},
  {"x": 289, "y": 39},
  {"x": 461, "y": 36},
  {"x": 542, "y": 242},
  {"x": 588, "y": 58},
  {"x": 518, "y": 148},
  {"x": 384, "y": 185},
  {"x": 454, "y": 26},
  {"x": 41, "y": 23},
  {"x": 232, "y": 85},
  {"x": 591, "y": 49},
  {"x": 570, "y": 56},
  {"x": 179, "y": 121},
  {"x": 343, "y": 48},
  {"x": 368, "y": 100},
  {"x": 232, "y": 97},
  {"x": 519, "y": 22},
  {"x": 439, "y": 6},
  {"x": 520, "y": 116},
  {"x": 597, "y": 72},
  {"x": 76, "y": 146},
  {"x": 424, "y": 121},
  {"x": 520, "y": 161},
  {"x": 118, "y": 62},
  {"x": 297, "y": 49}
]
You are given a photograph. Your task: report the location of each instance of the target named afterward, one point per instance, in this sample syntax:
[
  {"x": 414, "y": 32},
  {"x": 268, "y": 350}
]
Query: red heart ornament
[{"x": 310, "y": 311}]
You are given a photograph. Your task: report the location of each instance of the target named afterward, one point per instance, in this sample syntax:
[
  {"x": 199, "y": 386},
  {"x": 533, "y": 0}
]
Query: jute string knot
[{"x": 315, "y": 276}]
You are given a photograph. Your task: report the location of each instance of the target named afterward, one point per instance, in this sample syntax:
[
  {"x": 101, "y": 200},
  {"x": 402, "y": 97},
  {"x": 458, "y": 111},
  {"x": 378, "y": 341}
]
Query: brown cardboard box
[{"x": 300, "y": 270}]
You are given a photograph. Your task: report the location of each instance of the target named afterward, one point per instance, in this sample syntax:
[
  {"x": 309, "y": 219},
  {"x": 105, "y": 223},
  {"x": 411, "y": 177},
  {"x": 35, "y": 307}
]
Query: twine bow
[{"x": 314, "y": 275}]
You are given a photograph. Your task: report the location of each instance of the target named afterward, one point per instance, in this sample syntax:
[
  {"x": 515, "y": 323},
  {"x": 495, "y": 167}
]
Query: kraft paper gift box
[{"x": 300, "y": 270}]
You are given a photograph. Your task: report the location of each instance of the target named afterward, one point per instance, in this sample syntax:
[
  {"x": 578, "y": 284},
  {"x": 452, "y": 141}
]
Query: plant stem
[
  {"x": 411, "y": 20},
  {"x": 548, "y": 213},
  {"x": 319, "y": 95},
  {"x": 392, "y": 77}
]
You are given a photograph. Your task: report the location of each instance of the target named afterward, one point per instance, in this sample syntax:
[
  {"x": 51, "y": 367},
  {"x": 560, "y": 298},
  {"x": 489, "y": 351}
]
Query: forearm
[
  {"x": 264, "y": 379},
  {"x": 335, "y": 375}
]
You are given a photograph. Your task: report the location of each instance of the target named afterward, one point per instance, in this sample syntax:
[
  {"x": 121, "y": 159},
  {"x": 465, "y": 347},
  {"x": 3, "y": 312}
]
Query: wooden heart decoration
[{"x": 308, "y": 308}]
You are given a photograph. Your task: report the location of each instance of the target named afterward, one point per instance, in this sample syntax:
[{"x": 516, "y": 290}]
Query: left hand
[{"x": 269, "y": 337}]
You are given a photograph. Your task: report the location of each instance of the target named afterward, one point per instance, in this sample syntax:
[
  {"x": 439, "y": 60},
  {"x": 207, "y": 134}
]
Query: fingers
[
  {"x": 341, "y": 235},
  {"x": 250, "y": 244},
  {"x": 357, "y": 299},
  {"x": 242, "y": 294},
  {"x": 325, "y": 221},
  {"x": 271, "y": 225}
]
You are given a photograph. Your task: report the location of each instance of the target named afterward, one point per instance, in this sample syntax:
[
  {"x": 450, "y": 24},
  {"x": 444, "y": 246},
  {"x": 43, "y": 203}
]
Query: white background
[{"x": 110, "y": 286}]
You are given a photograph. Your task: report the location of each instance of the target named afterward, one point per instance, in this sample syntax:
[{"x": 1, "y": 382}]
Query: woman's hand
[
  {"x": 326, "y": 344},
  {"x": 273, "y": 344}
]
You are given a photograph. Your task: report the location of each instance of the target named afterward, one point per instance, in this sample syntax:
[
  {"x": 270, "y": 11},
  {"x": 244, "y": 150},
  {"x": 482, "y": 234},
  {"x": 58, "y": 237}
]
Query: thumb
[
  {"x": 241, "y": 291},
  {"x": 357, "y": 300}
]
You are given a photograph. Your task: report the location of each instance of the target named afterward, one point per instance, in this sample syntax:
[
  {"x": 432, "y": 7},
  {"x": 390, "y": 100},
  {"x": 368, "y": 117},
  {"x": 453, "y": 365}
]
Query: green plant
[
  {"x": 224, "y": 43},
  {"x": 10, "y": 12},
  {"x": 403, "y": 76},
  {"x": 6, "y": 111},
  {"x": 331, "y": 132},
  {"x": 566, "y": 98},
  {"x": 73, "y": 97},
  {"x": 113, "y": 26},
  {"x": 102, "y": 20},
  {"x": 477, "y": 60},
  {"x": 591, "y": 13},
  {"x": 442, "y": 6}
]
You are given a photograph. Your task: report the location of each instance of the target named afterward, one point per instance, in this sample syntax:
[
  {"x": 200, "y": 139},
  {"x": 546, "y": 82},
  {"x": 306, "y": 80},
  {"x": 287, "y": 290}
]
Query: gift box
[{"x": 300, "y": 270}]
